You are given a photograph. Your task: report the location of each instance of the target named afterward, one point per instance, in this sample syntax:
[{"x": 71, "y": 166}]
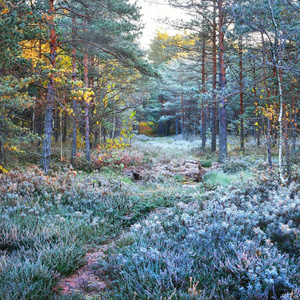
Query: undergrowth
[
  {"x": 237, "y": 242},
  {"x": 47, "y": 223},
  {"x": 235, "y": 235}
]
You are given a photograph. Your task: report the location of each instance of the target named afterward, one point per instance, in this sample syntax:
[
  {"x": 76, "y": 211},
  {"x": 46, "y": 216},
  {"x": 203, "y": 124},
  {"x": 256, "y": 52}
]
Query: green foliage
[
  {"x": 15, "y": 98},
  {"x": 164, "y": 47}
]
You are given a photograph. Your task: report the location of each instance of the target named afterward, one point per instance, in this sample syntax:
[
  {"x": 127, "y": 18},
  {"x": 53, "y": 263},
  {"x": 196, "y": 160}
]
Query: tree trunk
[
  {"x": 214, "y": 103},
  {"x": 287, "y": 152},
  {"x": 33, "y": 118},
  {"x": 293, "y": 126},
  {"x": 46, "y": 150},
  {"x": 222, "y": 82},
  {"x": 182, "y": 115},
  {"x": 74, "y": 102},
  {"x": 1, "y": 152},
  {"x": 96, "y": 134},
  {"x": 257, "y": 128},
  {"x": 203, "y": 132},
  {"x": 86, "y": 107},
  {"x": 241, "y": 93},
  {"x": 57, "y": 125},
  {"x": 61, "y": 136},
  {"x": 269, "y": 143},
  {"x": 269, "y": 140},
  {"x": 65, "y": 127},
  {"x": 277, "y": 61},
  {"x": 86, "y": 114}
]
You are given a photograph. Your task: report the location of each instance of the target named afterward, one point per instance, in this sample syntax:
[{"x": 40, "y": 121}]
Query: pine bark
[
  {"x": 277, "y": 61},
  {"x": 269, "y": 140},
  {"x": 222, "y": 82},
  {"x": 214, "y": 103},
  {"x": 293, "y": 127},
  {"x": 74, "y": 102},
  {"x": 241, "y": 93},
  {"x": 203, "y": 131},
  {"x": 86, "y": 107},
  {"x": 46, "y": 150}
]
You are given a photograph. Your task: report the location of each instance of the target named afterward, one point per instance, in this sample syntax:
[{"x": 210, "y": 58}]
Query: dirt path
[{"x": 84, "y": 280}]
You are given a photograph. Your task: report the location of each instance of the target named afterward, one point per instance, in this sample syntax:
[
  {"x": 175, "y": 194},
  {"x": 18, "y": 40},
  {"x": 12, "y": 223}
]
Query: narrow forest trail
[
  {"x": 173, "y": 157},
  {"x": 84, "y": 280}
]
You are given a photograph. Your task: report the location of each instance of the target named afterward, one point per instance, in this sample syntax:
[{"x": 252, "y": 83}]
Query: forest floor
[
  {"x": 175, "y": 152},
  {"x": 160, "y": 220}
]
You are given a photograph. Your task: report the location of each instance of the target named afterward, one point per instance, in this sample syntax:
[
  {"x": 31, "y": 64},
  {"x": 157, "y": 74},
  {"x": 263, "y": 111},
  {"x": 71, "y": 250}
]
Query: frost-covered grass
[
  {"x": 163, "y": 149},
  {"x": 220, "y": 178},
  {"x": 47, "y": 223},
  {"x": 234, "y": 243},
  {"x": 228, "y": 237}
]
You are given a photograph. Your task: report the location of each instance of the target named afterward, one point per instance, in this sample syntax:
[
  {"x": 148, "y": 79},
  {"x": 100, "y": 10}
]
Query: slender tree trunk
[
  {"x": 113, "y": 132},
  {"x": 269, "y": 138},
  {"x": 96, "y": 136},
  {"x": 214, "y": 100},
  {"x": 57, "y": 125},
  {"x": 65, "y": 127},
  {"x": 86, "y": 107},
  {"x": 287, "y": 151},
  {"x": 277, "y": 61},
  {"x": 293, "y": 126},
  {"x": 46, "y": 150},
  {"x": 203, "y": 92},
  {"x": 92, "y": 79},
  {"x": 38, "y": 123},
  {"x": 257, "y": 128},
  {"x": 61, "y": 136},
  {"x": 86, "y": 112},
  {"x": 241, "y": 93},
  {"x": 39, "y": 129},
  {"x": 74, "y": 102},
  {"x": 256, "y": 125},
  {"x": 269, "y": 143},
  {"x": 222, "y": 82},
  {"x": 33, "y": 118},
  {"x": 1, "y": 152},
  {"x": 100, "y": 132},
  {"x": 182, "y": 111}
]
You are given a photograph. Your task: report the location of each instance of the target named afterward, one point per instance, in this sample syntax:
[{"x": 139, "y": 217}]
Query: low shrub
[
  {"x": 61, "y": 257},
  {"x": 206, "y": 163},
  {"x": 226, "y": 245},
  {"x": 26, "y": 280},
  {"x": 235, "y": 166}
]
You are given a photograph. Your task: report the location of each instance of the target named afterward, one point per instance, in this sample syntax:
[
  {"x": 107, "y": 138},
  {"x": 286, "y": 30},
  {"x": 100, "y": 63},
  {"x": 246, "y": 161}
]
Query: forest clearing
[{"x": 149, "y": 149}]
